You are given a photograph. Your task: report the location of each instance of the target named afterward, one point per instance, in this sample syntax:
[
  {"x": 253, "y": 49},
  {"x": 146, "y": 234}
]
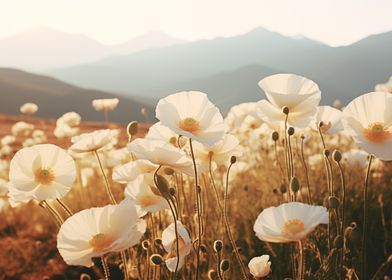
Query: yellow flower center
[
  {"x": 292, "y": 227},
  {"x": 148, "y": 200},
  {"x": 377, "y": 133},
  {"x": 101, "y": 241},
  {"x": 190, "y": 125},
  {"x": 44, "y": 176}
]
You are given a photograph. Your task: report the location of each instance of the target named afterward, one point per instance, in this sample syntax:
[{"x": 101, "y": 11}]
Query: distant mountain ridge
[
  {"x": 55, "y": 98},
  {"x": 43, "y": 48},
  {"x": 240, "y": 61}
]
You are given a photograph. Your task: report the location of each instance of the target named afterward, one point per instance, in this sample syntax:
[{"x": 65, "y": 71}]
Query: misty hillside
[
  {"x": 43, "y": 48},
  {"x": 231, "y": 67},
  {"x": 55, "y": 98}
]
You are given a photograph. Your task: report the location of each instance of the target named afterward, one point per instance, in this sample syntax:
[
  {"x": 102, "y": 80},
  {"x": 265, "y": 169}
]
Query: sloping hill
[{"x": 55, "y": 97}]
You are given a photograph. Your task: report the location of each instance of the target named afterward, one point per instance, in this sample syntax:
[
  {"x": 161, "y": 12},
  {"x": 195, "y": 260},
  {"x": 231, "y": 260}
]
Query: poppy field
[{"x": 282, "y": 188}]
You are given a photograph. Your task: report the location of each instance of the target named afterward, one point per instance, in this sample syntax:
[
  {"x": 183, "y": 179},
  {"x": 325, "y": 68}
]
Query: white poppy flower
[
  {"x": 220, "y": 153},
  {"x": 237, "y": 115},
  {"x": 145, "y": 194},
  {"x": 299, "y": 94},
  {"x": 356, "y": 157},
  {"x": 260, "y": 267},
  {"x": 22, "y": 128},
  {"x": 368, "y": 120},
  {"x": 331, "y": 118},
  {"x": 45, "y": 170},
  {"x": 105, "y": 104},
  {"x": 72, "y": 119},
  {"x": 163, "y": 133},
  {"x": 28, "y": 108},
  {"x": 17, "y": 197},
  {"x": 191, "y": 114},
  {"x": 170, "y": 245},
  {"x": 93, "y": 141},
  {"x": 289, "y": 222},
  {"x": 8, "y": 140},
  {"x": 97, "y": 231},
  {"x": 128, "y": 172},
  {"x": 162, "y": 153}
]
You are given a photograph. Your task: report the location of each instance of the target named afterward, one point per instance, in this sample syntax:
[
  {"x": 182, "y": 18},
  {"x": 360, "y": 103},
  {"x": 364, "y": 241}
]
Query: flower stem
[
  {"x": 365, "y": 216},
  {"x": 105, "y": 267},
  {"x": 306, "y": 172},
  {"x": 237, "y": 255},
  {"x": 197, "y": 210},
  {"x": 343, "y": 182},
  {"x": 65, "y": 207},
  {"x": 107, "y": 186},
  {"x": 301, "y": 261}
]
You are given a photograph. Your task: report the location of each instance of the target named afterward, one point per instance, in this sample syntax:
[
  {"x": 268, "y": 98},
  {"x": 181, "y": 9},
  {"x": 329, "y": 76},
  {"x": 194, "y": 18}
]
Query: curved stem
[
  {"x": 343, "y": 182},
  {"x": 365, "y": 215},
  {"x": 52, "y": 212},
  {"x": 197, "y": 210},
  {"x": 107, "y": 186},
  {"x": 218, "y": 261},
  {"x": 65, "y": 207},
  {"x": 237, "y": 255}
]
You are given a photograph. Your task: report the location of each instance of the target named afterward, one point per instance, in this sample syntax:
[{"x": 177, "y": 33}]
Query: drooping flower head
[
  {"x": 169, "y": 243},
  {"x": 191, "y": 114},
  {"x": 161, "y": 153},
  {"x": 93, "y": 141},
  {"x": 368, "y": 120},
  {"x": 331, "y": 119},
  {"x": 46, "y": 171},
  {"x": 145, "y": 194},
  {"x": 299, "y": 94},
  {"x": 289, "y": 222},
  {"x": 96, "y": 231}
]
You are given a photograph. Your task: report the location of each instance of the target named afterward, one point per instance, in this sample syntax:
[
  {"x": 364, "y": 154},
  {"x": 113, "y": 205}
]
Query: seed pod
[
  {"x": 275, "y": 136},
  {"x": 290, "y": 131},
  {"x": 338, "y": 242},
  {"x": 224, "y": 265},
  {"x": 132, "y": 128},
  {"x": 156, "y": 259},
  {"x": 233, "y": 159},
  {"x": 294, "y": 184},
  {"x": 326, "y": 152},
  {"x": 337, "y": 156},
  {"x": 333, "y": 202},
  {"x": 320, "y": 124},
  {"x": 285, "y": 110},
  {"x": 218, "y": 245}
]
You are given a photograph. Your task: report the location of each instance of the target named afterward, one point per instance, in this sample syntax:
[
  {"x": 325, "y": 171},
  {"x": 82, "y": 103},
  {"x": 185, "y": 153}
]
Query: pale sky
[{"x": 336, "y": 22}]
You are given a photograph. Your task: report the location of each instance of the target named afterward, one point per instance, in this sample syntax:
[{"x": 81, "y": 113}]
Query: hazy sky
[{"x": 336, "y": 22}]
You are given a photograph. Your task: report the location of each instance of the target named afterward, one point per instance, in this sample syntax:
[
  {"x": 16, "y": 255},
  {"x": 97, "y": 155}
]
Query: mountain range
[
  {"x": 228, "y": 69},
  {"x": 42, "y": 48},
  {"x": 55, "y": 98}
]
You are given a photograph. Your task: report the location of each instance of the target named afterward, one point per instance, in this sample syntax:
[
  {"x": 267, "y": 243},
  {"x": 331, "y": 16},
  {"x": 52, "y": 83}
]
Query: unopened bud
[
  {"x": 132, "y": 128},
  {"x": 224, "y": 265},
  {"x": 156, "y": 259},
  {"x": 290, "y": 131},
  {"x": 84, "y": 276},
  {"x": 285, "y": 110},
  {"x": 326, "y": 152},
  {"x": 168, "y": 171},
  {"x": 283, "y": 188},
  {"x": 233, "y": 159},
  {"x": 218, "y": 245},
  {"x": 333, "y": 202},
  {"x": 145, "y": 244},
  {"x": 275, "y": 136},
  {"x": 337, "y": 156},
  {"x": 162, "y": 185},
  {"x": 294, "y": 184}
]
